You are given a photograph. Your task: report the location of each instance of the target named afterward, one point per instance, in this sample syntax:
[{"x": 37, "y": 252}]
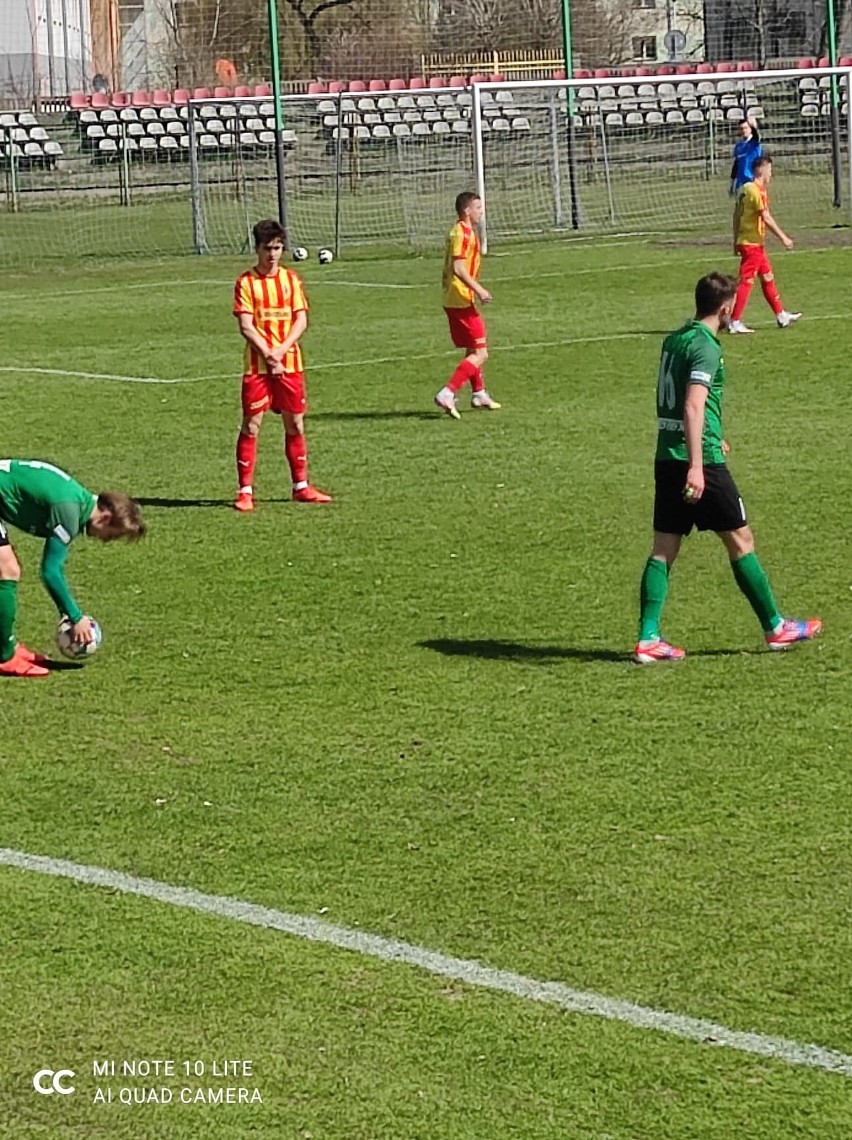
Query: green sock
[
  {"x": 751, "y": 579},
  {"x": 652, "y": 598},
  {"x": 8, "y": 611}
]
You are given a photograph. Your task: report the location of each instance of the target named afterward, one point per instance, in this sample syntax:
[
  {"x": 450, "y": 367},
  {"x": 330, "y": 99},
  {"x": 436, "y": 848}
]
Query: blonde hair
[{"x": 125, "y": 511}]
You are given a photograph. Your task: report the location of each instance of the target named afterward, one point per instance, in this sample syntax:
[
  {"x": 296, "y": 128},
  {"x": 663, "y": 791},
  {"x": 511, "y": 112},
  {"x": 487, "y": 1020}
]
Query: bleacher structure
[{"x": 375, "y": 160}]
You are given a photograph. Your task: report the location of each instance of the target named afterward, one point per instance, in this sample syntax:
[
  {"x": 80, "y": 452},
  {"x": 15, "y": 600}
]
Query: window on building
[
  {"x": 645, "y": 48},
  {"x": 644, "y": 3}
]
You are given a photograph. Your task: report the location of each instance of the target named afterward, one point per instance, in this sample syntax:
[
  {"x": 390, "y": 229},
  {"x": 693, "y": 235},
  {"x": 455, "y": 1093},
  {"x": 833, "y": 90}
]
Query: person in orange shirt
[
  {"x": 751, "y": 221},
  {"x": 461, "y": 289},
  {"x": 272, "y": 311}
]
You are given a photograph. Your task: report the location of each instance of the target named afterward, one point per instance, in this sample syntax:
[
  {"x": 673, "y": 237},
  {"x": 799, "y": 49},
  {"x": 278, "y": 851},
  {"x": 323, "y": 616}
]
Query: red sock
[
  {"x": 246, "y": 459},
  {"x": 477, "y": 381},
  {"x": 743, "y": 291},
  {"x": 465, "y": 371},
  {"x": 296, "y": 450},
  {"x": 770, "y": 292}
]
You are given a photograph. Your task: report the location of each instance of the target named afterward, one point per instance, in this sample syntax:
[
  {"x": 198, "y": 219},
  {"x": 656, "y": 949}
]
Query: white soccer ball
[
  {"x": 300, "y": 253},
  {"x": 69, "y": 648},
  {"x": 325, "y": 257}
]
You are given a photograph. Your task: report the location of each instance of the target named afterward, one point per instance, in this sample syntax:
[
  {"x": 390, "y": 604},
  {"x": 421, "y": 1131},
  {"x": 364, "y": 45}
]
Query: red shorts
[
  {"x": 284, "y": 393},
  {"x": 753, "y": 262},
  {"x": 467, "y": 328}
]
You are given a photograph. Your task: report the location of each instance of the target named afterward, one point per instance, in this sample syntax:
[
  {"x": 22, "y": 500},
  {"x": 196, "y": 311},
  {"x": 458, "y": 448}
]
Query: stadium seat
[
  {"x": 397, "y": 85},
  {"x": 633, "y": 119},
  {"x": 381, "y": 133},
  {"x": 641, "y": 72},
  {"x": 161, "y": 98},
  {"x": 262, "y": 90},
  {"x": 119, "y": 99},
  {"x": 457, "y": 81},
  {"x": 809, "y": 110},
  {"x": 99, "y": 100},
  {"x": 441, "y": 129},
  {"x": 557, "y": 74},
  {"x": 417, "y": 83},
  {"x": 336, "y": 86},
  {"x": 845, "y": 61},
  {"x": 612, "y": 119},
  {"x": 202, "y": 93},
  {"x": 52, "y": 151},
  {"x": 755, "y": 112},
  {"x": 243, "y": 92},
  {"x": 314, "y": 88},
  {"x": 401, "y": 131},
  {"x": 746, "y": 65},
  {"x": 704, "y": 69},
  {"x": 462, "y": 127},
  {"x": 479, "y": 78},
  {"x": 666, "y": 69},
  {"x": 654, "y": 118},
  {"x": 140, "y": 99},
  {"x": 582, "y": 73},
  {"x": 723, "y": 68},
  {"x": 78, "y": 101},
  {"x": 107, "y": 150},
  {"x": 421, "y": 131},
  {"x": 824, "y": 61},
  {"x": 602, "y": 73},
  {"x": 734, "y": 114},
  {"x": 128, "y": 115},
  {"x": 357, "y": 85},
  {"x": 437, "y": 81},
  {"x": 180, "y": 96},
  {"x": 684, "y": 69},
  {"x": 377, "y": 85}
]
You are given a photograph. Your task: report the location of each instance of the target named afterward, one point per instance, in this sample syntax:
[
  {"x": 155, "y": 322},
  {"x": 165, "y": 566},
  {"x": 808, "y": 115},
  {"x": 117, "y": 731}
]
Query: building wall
[{"x": 45, "y": 47}]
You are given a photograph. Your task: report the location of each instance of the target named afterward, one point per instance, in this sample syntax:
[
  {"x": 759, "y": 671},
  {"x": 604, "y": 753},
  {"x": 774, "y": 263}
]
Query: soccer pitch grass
[{"x": 412, "y": 714}]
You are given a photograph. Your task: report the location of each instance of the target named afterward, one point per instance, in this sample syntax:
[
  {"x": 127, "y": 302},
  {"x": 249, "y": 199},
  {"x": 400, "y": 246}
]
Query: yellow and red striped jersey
[
  {"x": 462, "y": 242},
  {"x": 273, "y": 302},
  {"x": 749, "y": 225}
]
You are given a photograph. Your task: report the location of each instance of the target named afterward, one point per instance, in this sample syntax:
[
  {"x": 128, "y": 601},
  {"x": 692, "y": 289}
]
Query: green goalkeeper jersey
[
  {"x": 691, "y": 355},
  {"x": 44, "y": 500}
]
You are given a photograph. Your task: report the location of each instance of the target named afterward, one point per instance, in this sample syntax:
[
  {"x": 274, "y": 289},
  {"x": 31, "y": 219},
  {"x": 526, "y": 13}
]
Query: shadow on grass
[
  {"x": 408, "y": 414},
  {"x": 148, "y": 502},
  {"x": 519, "y": 651},
  {"x": 64, "y": 666}
]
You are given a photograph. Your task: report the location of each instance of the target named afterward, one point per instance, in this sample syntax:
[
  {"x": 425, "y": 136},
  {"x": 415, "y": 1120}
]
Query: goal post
[{"x": 654, "y": 154}]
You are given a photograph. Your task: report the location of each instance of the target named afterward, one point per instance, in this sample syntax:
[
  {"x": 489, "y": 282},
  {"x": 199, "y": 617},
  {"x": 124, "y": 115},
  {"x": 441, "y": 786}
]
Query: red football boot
[{"x": 311, "y": 494}]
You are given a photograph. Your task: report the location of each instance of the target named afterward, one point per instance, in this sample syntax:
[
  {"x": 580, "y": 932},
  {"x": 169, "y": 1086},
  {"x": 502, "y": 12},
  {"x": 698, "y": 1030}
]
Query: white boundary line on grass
[
  {"x": 604, "y": 338},
  {"x": 465, "y": 970},
  {"x": 28, "y": 370}
]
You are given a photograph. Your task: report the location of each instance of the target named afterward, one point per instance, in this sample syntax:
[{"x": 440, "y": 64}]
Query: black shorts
[{"x": 720, "y": 508}]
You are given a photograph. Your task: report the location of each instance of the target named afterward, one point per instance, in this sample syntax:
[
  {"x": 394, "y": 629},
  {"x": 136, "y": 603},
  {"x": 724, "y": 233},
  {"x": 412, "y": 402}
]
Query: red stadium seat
[
  {"x": 665, "y": 69},
  {"x": 357, "y": 85},
  {"x": 746, "y": 65},
  {"x": 78, "y": 101},
  {"x": 100, "y": 100},
  {"x": 479, "y": 78},
  {"x": 704, "y": 69},
  {"x": 845, "y": 61},
  {"x": 557, "y": 74},
  {"x": 640, "y": 71},
  {"x": 336, "y": 86},
  {"x": 684, "y": 69},
  {"x": 119, "y": 99},
  {"x": 180, "y": 95},
  {"x": 458, "y": 81},
  {"x": 140, "y": 99},
  {"x": 803, "y": 63},
  {"x": 377, "y": 85},
  {"x": 397, "y": 85},
  {"x": 201, "y": 93},
  {"x": 496, "y": 79},
  {"x": 262, "y": 90},
  {"x": 824, "y": 62},
  {"x": 221, "y": 92},
  {"x": 417, "y": 83},
  {"x": 721, "y": 68},
  {"x": 626, "y": 73},
  {"x": 161, "y": 98},
  {"x": 603, "y": 73},
  {"x": 437, "y": 81},
  {"x": 316, "y": 88},
  {"x": 243, "y": 92}
]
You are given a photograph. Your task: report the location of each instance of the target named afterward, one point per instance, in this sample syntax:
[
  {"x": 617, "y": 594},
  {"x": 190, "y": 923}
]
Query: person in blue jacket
[{"x": 746, "y": 152}]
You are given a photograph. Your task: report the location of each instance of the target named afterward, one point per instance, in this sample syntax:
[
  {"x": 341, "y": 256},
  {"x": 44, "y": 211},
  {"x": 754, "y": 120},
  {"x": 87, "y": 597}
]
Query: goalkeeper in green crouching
[{"x": 43, "y": 500}]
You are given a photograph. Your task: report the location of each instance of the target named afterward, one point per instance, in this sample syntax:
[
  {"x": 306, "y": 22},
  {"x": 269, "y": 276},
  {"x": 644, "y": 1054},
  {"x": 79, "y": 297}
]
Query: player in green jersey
[
  {"x": 43, "y": 500},
  {"x": 693, "y": 486}
]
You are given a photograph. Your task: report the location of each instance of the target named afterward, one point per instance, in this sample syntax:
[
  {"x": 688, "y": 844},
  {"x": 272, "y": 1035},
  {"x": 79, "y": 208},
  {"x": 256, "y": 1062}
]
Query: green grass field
[{"x": 413, "y": 714}]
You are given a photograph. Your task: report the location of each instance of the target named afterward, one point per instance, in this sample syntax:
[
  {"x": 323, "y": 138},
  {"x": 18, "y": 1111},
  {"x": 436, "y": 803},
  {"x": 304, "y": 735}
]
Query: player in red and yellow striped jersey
[
  {"x": 751, "y": 221},
  {"x": 461, "y": 290},
  {"x": 272, "y": 310}
]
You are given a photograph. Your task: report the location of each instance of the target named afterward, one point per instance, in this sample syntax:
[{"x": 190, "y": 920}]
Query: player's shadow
[
  {"x": 152, "y": 502},
  {"x": 408, "y": 414},
  {"x": 522, "y": 652},
  {"x": 63, "y": 666}
]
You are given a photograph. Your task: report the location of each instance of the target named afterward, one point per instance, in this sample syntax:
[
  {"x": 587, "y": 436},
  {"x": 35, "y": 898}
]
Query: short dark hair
[
  {"x": 764, "y": 160},
  {"x": 266, "y": 231},
  {"x": 711, "y": 292},
  {"x": 464, "y": 200}
]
